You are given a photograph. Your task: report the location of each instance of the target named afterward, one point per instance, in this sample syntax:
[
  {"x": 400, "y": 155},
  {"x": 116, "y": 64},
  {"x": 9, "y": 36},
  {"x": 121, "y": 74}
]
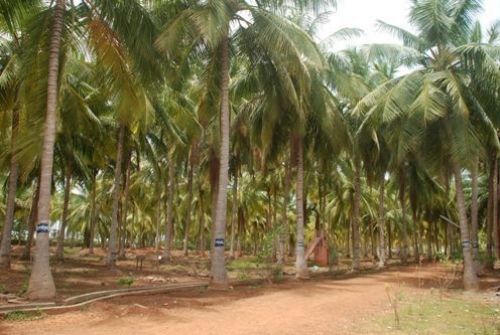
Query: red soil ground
[{"x": 318, "y": 306}]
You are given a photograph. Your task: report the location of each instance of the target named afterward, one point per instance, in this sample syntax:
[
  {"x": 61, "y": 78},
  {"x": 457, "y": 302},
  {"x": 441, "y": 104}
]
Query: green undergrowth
[
  {"x": 24, "y": 316},
  {"x": 435, "y": 314}
]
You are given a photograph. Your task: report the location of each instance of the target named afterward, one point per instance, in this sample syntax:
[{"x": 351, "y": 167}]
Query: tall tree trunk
[
  {"x": 189, "y": 200},
  {"x": 474, "y": 213},
  {"x": 389, "y": 240},
  {"x": 64, "y": 218},
  {"x": 470, "y": 278},
  {"x": 93, "y": 212},
  {"x": 158, "y": 220},
  {"x": 218, "y": 269},
  {"x": 429, "y": 241},
  {"x": 381, "y": 223},
  {"x": 201, "y": 239},
  {"x": 285, "y": 230},
  {"x": 416, "y": 225},
  {"x": 404, "y": 222},
  {"x": 5, "y": 245},
  {"x": 496, "y": 221},
  {"x": 124, "y": 211},
  {"x": 112, "y": 244},
  {"x": 356, "y": 242},
  {"x": 234, "y": 221},
  {"x": 170, "y": 210},
  {"x": 300, "y": 261},
  {"x": 41, "y": 284},
  {"x": 31, "y": 223},
  {"x": 492, "y": 205}
]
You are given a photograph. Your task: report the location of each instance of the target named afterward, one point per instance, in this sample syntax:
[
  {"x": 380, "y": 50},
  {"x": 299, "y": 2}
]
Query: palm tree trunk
[
  {"x": 189, "y": 200},
  {"x": 284, "y": 231},
  {"x": 170, "y": 210},
  {"x": 356, "y": 216},
  {"x": 93, "y": 212},
  {"x": 470, "y": 278},
  {"x": 64, "y": 218},
  {"x": 381, "y": 224},
  {"x": 389, "y": 240},
  {"x": 474, "y": 213},
  {"x": 158, "y": 220},
  {"x": 5, "y": 245},
  {"x": 300, "y": 261},
  {"x": 31, "y": 224},
  {"x": 234, "y": 221},
  {"x": 404, "y": 222},
  {"x": 41, "y": 284},
  {"x": 112, "y": 244},
  {"x": 124, "y": 212},
  {"x": 429, "y": 240},
  {"x": 492, "y": 205},
  {"x": 201, "y": 239},
  {"x": 218, "y": 269},
  {"x": 416, "y": 225},
  {"x": 496, "y": 222}
]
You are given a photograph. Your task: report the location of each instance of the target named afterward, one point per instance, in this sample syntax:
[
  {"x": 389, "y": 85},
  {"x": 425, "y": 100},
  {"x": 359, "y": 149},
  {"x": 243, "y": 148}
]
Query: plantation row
[{"x": 227, "y": 125}]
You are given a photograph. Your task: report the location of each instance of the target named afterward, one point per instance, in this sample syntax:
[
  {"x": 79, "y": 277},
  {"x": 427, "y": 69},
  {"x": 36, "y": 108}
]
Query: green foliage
[
  {"x": 24, "y": 316},
  {"x": 126, "y": 281},
  {"x": 268, "y": 244}
]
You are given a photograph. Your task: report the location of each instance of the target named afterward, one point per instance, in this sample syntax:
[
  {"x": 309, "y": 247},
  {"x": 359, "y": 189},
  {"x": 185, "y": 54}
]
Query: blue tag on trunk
[{"x": 219, "y": 242}]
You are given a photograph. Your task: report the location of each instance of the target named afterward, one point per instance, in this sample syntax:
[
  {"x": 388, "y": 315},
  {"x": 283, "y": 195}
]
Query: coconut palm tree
[
  {"x": 433, "y": 103},
  {"x": 219, "y": 25}
]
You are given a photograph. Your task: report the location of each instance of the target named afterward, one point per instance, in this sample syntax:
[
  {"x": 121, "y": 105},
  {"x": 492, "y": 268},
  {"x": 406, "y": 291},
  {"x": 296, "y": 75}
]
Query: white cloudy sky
[{"x": 364, "y": 13}]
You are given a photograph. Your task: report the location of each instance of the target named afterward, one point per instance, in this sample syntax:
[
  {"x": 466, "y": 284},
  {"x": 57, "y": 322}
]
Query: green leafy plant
[
  {"x": 24, "y": 316},
  {"x": 126, "y": 281}
]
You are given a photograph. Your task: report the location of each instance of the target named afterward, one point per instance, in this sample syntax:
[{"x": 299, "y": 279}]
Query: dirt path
[{"x": 316, "y": 307}]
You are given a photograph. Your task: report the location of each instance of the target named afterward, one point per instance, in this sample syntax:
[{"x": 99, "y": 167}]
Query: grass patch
[
  {"x": 244, "y": 264},
  {"x": 126, "y": 281},
  {"x": 24, "y": 316},
  {"x": 432, "y": 314}
]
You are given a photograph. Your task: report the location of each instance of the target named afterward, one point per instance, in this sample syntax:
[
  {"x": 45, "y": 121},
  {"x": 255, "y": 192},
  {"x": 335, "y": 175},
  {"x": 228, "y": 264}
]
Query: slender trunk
[
  {"x": 274, "y": 223},
  {"x": 492, "y": 191},
  {"x": 355, "y": 216},
  {"x": 234, "y": 221},
  {"x": 416, "y": 225},
  {"x": 470, "y": 278},
  {"x": 389, "y": 240},
  {"x": 64, "y": 218},
  {"x": 300, "y": 261},
  {"x": 31, "y": 223},
  {"x": 284, "y": 231},
  {"x": 381, "y": 224},
  {"x": 189, "y": 200},
  {"x": 158, "y": 220},
  {"x": 495, "y": 228},
  {"x": 404, "y": 222},
  {"x": 218, "y": 269},
  {"x": 170, "y": 211},
  {"x": 112, "y": 244},
  {"x": 429, "y": 240},
  {"x": 474, "y": 213},
  {"x": 93, "y": 212},
  {"x": 241, "y": 231},
  {"x": 5, "y": 245},
  {"x": 41, "y": 284},
  {"x": 201, "y": 242},
  {"x": 124, "y": 212}
]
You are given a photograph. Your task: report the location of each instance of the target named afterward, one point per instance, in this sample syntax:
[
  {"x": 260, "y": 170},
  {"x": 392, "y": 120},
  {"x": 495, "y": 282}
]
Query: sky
[{"x": 363, "y": 14}]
